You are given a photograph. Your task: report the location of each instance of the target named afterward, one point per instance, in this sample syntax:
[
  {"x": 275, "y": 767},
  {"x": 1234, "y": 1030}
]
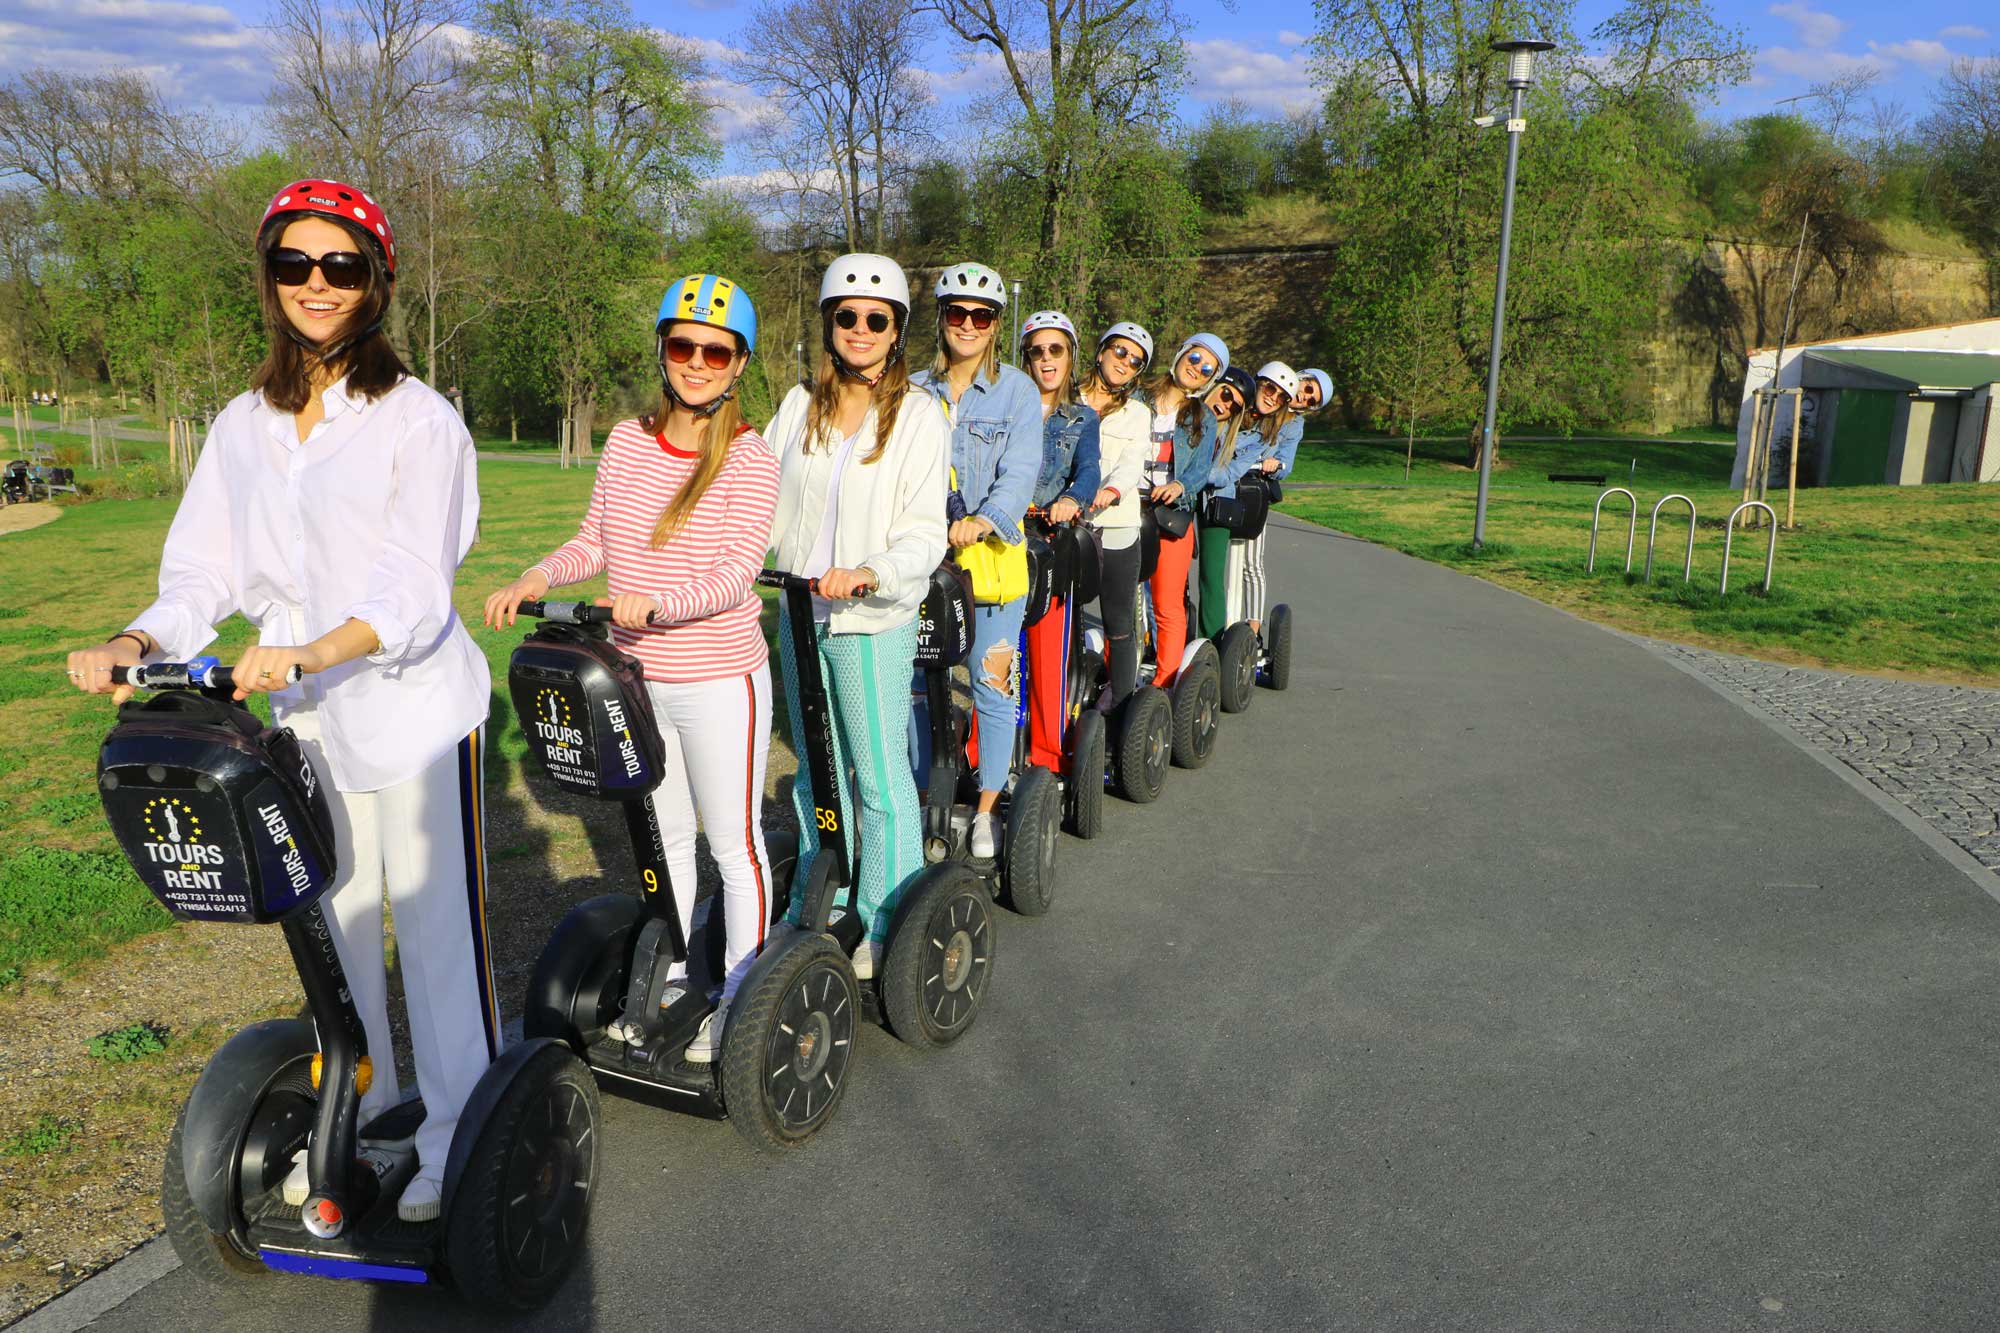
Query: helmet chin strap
[
  {"x": 328, "y": 355},
  {"x": 701, "y": 412}
]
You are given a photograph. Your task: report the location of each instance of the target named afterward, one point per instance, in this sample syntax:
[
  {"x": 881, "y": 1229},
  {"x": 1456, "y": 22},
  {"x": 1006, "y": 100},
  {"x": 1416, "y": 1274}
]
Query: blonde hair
[
  {"x": 887, "y": 392},
  {"x": 716, "y": 438},
  {"x": 1225, "y": 435},
  {"x": 1066, "y": 390}
]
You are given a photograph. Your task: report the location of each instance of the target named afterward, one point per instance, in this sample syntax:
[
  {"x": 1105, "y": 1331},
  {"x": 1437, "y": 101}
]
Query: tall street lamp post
[{"x": 1520, "y": 74}]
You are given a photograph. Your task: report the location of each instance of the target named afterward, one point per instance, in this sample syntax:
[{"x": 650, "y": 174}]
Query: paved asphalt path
[{"x": 1500, "y": 975}]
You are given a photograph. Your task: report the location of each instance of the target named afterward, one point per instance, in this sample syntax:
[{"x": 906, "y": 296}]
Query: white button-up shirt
[{"x": 368, "y": 520}]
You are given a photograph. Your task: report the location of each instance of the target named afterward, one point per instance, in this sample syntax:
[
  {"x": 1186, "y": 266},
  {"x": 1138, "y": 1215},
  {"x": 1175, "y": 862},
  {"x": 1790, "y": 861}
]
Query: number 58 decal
[{"x": 829, "y": 820}]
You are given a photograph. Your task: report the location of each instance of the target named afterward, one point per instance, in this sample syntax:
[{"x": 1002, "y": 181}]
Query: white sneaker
[
  {"x": 986, "y": 835},
  {"x": 865, "y": 958},
  {"x": 708, "y": 1041},
  {"x": 423, "y": 1199},
  {"x": 297, "y": 1184}
]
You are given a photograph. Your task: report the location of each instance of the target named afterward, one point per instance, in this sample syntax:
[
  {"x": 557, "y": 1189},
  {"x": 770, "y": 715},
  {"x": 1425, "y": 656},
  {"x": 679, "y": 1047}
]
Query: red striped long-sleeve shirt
[{"x": 702, "y": 577}]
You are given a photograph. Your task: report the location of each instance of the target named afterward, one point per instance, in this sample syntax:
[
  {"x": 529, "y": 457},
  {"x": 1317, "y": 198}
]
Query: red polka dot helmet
[{"x": 335, "y": 200}]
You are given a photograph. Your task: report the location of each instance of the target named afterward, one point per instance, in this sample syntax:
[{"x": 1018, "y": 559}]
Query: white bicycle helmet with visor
[
  {"x": 876, "y": 277},
  {"x": 972, "y": 282}
]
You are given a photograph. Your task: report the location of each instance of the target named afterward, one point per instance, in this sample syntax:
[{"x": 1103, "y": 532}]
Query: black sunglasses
[
  {"x": 1134, "y": 356},
  {"x": 1045, "y": 351},
  {"x": 980, "y": 316},
  {"x": 716, "y": 356},
  {"x": 342, "y": 268},
  {"x": 847, "y": 318},
  {"x": 1227, "y": 396}
]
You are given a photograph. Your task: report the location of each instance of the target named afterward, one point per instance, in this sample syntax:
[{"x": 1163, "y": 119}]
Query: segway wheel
[
  {"x": 1028, "y": 862},
  {"x": 1145, "y": 745},
  {"x": 1084, "y": 791},
  {"x": 790, "y": 1044},
  {"x": 940, "y": 957},
  {"x": 1197, "y": 709},
  {"x": 1239, "y": 667},
  {"x": 1278, "y": 665}
]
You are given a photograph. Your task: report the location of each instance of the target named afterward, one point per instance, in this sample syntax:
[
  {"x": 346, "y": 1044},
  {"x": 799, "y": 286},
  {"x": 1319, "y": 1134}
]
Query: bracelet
[{"x": 144, "y": 647}]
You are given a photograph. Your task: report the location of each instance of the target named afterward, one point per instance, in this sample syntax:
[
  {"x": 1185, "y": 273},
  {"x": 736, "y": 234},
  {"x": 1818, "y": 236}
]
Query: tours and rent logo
[
  {"x": 628, "y": 749},
  {"x": 175, "y": 843},
  {"x": 555, "y": 727},
  {"x": 293, "y": 861}
]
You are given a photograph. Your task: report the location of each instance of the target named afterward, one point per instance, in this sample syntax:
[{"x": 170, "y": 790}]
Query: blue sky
[{"x": 204, "y": 51}]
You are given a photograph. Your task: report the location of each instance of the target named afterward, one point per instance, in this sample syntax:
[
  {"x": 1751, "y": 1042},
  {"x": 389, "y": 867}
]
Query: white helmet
[
  {"x": 1325, "y": 382},
  {"x": 1048, "y": 319},
  {"x": 1281, "y": 375},
  {"x": 1215, "y": 347},
  {"x": 1125, "y": 328},
  {"x": 876, "y": 276},
  {"x": 974, "y": 282}
]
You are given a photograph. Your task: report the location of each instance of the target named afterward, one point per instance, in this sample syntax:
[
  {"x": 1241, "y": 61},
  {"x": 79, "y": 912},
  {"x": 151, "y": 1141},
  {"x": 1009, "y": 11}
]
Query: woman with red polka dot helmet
[{"x": 332, "y": 199}]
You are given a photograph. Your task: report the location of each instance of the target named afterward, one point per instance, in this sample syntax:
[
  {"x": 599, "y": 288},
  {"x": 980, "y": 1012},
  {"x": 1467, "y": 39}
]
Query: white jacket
[
  {"x": 890, "y": 519},
  {"x": 1124, "y": 442}
]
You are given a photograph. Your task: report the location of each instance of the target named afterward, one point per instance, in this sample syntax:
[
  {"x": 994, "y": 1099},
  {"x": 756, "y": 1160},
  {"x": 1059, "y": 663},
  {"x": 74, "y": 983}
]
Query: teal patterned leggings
[{"x": 868, "y": 677}]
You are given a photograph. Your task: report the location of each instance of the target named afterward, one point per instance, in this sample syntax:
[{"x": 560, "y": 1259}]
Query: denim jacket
[
  {"x": 996, "y": 447},
  {"x": 1194, "y": 453},
  {"x": 1069, "y": 456},
  {"x": 1251, "y": 450}
]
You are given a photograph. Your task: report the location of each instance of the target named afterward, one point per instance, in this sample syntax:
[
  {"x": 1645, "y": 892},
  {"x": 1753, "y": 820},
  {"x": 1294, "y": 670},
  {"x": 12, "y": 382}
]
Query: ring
[
  {"x": 76, "y": 675},
  {"x": 263, "y": 675}
]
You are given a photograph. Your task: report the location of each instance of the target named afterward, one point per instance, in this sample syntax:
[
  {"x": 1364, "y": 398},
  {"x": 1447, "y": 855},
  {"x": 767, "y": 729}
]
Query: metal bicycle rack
[
  {"x": 1729, "y": 532},
  {"x": 1653, "y": 536},
  {"x": 1631, "y": 527}
]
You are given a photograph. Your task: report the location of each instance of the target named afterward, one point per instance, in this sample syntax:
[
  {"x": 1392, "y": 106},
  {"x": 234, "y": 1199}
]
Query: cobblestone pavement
[{"x": 1935, "y": 748}]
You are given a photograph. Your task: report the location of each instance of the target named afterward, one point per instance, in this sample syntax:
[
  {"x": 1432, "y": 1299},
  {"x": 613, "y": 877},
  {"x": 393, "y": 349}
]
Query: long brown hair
[
  {"x": 716, "y": 439},
  {"x": 1275, "y": 422},
  {"x": 825, "y": 404},
  {"x": 1189, "y": 403},
  {"x": 371, "y": 365}
]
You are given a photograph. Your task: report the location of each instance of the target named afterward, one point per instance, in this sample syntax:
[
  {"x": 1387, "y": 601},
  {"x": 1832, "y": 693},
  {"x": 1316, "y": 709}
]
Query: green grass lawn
[{"x": 1901, "y": 580}]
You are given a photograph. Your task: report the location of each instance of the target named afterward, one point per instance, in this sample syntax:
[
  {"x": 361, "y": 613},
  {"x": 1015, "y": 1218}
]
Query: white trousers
[
  {"x": 421, "y": 841},
  {"x": 1253, "y": 577},
  {"x": 718, "y": 738}
]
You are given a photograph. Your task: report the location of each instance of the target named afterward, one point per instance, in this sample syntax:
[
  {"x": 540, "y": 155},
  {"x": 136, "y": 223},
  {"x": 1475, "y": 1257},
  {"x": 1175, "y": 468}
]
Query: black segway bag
[
  {"x": 1041, "y": 578},
  {"x": 944, "y": 621},
  {"x": 1242, "y": 514},
  {"x": 1086, "y": 557},
  {"x": 1149, "y": 544},
  {"x": 584, "y": 708},
  {"x": 223, "y": 818}
]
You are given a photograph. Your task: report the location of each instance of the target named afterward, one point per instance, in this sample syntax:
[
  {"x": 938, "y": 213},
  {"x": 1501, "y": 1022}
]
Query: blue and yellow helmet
[{"x": 707, "y": 298}]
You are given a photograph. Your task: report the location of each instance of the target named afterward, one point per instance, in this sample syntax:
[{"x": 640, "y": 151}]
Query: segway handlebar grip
[
  {"x": 203, "y": 673},
  {"x": 778, "y": 578},
  {"x": 570, "y": 613}
]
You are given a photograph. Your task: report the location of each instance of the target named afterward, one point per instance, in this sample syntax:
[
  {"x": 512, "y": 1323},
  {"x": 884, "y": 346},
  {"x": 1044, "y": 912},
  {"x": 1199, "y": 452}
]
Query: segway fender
[
  {"x": 1194, "y": 646},
  {"x": 486, "y": 1095},
  {"x": 581, "y": 938},
  {"x": 220, "y": 1107}
]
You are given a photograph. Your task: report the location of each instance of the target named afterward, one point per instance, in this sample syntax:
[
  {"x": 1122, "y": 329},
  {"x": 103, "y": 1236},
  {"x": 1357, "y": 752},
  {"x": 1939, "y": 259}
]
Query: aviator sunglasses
[
  {"x": 981, "y": 317},
  {"x": 1044, "y": 351},
  {"x": 847, "y": 319},
  {"x": 342, "y": 268},
  {"x": 716, "y": 356},
  {"x": 1132, "y": 357}
]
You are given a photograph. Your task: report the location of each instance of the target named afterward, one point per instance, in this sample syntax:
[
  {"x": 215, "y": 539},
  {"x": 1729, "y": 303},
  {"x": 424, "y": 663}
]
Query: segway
[
  {"x": 1196, "y": 694},
  {"x": 1075, "y": 562},
  {"x": 224, "y": 820},
  {"x": 1239, "y": 653},
  {"x": 1031, "y": 807},
  {"x": 932, "y": 981}
]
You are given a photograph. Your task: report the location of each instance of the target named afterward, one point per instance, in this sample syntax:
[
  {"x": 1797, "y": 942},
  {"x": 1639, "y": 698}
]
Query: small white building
[{"x": 1901, "y": 408}]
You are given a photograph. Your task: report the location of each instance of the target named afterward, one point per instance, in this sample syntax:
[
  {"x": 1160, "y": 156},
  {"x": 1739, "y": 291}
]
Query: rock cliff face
[{"x": 1719, "y": 298}]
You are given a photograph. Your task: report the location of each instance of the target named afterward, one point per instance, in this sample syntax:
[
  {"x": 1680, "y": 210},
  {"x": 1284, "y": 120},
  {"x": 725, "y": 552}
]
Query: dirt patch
[
  {"x": 21, "y": 517},
  {"x": 81, "y": 1140}
]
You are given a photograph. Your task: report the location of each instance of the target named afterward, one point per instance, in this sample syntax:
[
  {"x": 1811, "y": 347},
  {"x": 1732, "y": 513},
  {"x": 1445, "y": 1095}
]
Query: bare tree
[
  {"x": 101, "y": 135},
  {"x": 1840, "y": 98},
  {"x": 851, "y": 114}
]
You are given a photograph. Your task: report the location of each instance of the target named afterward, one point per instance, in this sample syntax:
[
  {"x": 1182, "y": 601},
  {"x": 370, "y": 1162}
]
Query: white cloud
[
  {"x": 1815, "y": 66},
  {"x": 190, "y": 52},
  {"x": 1917, "y": 51},
  {"x": 1815, "y": 27},
  {"x": 738, "y": 110},
  {"x": 1262, "y": 80},
  {"x": 978, "y": 71},
  {"x": 1287, "y": 37},
  {"x": 1965, "y": 32}
]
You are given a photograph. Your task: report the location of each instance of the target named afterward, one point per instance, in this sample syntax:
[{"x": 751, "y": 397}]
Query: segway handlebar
[
  {"x": 570, "y": 613},
  {"x": 202, "y": 673},
  {"x": 778, "y": 578}
]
